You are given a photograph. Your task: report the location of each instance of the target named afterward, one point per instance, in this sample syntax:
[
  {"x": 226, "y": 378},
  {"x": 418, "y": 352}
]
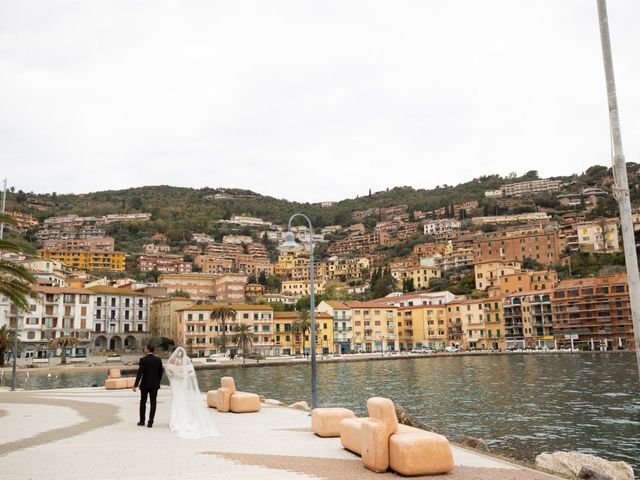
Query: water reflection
[{"x": 521, "y": 404}]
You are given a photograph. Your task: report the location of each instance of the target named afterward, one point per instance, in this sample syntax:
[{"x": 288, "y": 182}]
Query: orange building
[
  {"x": 593, "y": 313},
  {"x": 513, "y": 246}
]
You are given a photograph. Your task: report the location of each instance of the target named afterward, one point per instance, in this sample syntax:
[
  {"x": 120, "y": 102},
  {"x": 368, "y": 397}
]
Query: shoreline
[
  {"x": 131, "y": 367},
  {"x": 250, "y": 438}
]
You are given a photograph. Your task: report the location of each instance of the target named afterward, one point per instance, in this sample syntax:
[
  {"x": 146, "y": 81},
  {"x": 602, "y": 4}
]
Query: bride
[{"x": 189, "y": 412}]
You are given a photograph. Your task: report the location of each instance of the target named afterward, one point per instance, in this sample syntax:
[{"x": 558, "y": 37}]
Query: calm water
[{"x": 521, "y": 404}]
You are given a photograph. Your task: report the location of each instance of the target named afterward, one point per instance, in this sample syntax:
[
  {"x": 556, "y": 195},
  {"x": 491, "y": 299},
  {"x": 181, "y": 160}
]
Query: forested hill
[{"x": 181, "y": 211}]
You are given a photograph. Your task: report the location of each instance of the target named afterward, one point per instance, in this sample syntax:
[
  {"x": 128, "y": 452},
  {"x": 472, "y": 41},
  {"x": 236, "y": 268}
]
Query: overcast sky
[{"x": 307, "y": 100}]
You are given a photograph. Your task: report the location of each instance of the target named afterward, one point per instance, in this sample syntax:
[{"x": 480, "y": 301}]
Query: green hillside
[{"x": 179, "y": 212}]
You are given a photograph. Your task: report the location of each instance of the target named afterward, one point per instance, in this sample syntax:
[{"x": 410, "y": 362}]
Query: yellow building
[
  {"x": 343, "y": 269},
  {"x": 420, "y": 276},
  {"x": 342, "y": 324},
  {"x": 599, "y": 236},
  {"x": 480, "y": 322},
  {"x": 81, "y": 260},
  {"x": 525, "y": 282},
  {"x": 423, "y": 326},
  {"x": 287, "y": 260},
  {"x": 487, "y": 274},
  {"x": 289, "y": 343},
  {"x": 494, "y": 325},
  {"x": 200, "y": 335},
  {"x": 374, "y": 327},
  {"x": 301, "y": 287},
  {"x": 164, "y": 315}
]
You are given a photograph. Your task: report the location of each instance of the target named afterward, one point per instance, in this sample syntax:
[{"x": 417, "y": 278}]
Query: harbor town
[{"x": 325, "y": 241}]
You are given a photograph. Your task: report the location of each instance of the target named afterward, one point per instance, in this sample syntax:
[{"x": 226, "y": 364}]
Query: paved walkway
[{"x": 91, "y": 433}]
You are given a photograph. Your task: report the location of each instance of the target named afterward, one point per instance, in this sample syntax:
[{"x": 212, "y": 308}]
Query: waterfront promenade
[{"x": 91, "y": 433}]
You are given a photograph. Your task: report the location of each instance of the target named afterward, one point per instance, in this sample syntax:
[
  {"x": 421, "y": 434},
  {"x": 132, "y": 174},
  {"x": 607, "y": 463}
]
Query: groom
[{"x": 150, "y": 371}]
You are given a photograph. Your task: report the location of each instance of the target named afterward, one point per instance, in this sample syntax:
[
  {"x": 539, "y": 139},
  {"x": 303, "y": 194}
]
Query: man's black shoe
[
  {"x": 141, "y": 424},
  {"x": 150, "y": 424}
]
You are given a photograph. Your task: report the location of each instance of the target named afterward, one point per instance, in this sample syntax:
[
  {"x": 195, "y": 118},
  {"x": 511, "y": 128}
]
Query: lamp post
[
  {"x": 15, "y": 352},
  {"x": 621, "y": 182},
  {"x": 291, "y": 244}
]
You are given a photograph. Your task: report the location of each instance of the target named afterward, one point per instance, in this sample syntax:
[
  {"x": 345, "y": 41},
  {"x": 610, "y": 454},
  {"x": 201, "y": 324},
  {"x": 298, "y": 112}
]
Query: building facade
[
  {"x": 593, "y": 313},
  {"x": 121, "y": 318},
  {"x": 54, "y": 312},
  {"x": 201, "y": 335},
  {"x": 164, "y": 316}
]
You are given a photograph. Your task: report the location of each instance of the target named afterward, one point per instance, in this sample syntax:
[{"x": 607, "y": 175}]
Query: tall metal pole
[
  {"x": 621, "y": 188},
  {"x": 15, "y": 352},
  {"x": 314, "y": 374},
  {"x": 4, "y": 203}
]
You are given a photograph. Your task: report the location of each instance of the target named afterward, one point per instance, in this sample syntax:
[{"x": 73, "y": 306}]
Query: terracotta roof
[
  {"x": 235, "y": 306},
  {"x": 43, "y": 289},
  {"x": 337, "y": 304},
  {"x": 467, "y": 301},
  {"x": 294, "y": 315},
  {"x": 415, "y": 307},
  {"x": 115, "y": 291},
  {"x": 371, "y": 304},
  {"x": 173, "y": 299},
  {"x": 529, "y": 292},
  {"x": 602, "y": 280}
]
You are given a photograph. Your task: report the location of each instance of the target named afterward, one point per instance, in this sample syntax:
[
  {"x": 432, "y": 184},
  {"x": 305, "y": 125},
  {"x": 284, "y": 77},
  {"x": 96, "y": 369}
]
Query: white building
[
  {"x": 203, "y": 238},
  {"x": 237, "y": 239},
  {"x": 121, "y": 318},
  {"x": 277, "y": 297},
  {"x": 445, "y": 225},
  {"x": 246, "y": 221},
  {"x": 494, "y": 193},
  {"x": 54, "y": 312},
  {"x": 417, "y": 299}
]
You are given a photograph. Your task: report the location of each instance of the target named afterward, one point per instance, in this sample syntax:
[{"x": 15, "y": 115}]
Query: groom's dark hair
[{"x": 150, "y": 347}]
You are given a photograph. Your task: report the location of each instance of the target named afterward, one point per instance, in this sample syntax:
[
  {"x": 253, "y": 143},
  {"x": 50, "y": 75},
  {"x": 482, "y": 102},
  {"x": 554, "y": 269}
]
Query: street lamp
[
  {"x": 15, "y": 352},
  {"x": 288, "y": 245}
]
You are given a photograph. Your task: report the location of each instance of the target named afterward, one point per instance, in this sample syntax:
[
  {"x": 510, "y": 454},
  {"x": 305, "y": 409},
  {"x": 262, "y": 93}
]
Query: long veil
[{"x": 195, "y": 421}]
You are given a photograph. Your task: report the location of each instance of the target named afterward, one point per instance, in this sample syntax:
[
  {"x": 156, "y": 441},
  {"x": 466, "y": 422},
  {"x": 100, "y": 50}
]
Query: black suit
[{"x": 150, "y": 372}]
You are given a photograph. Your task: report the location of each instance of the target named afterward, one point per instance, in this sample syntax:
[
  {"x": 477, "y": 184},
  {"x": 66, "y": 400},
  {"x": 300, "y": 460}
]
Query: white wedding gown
[{"x": 190, "y": 416}]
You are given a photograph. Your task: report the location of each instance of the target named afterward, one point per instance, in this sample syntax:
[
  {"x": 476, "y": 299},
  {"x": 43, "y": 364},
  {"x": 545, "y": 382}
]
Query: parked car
[
  {"x": 422, "y": 350},
  {"x": 451, "y": 349}
]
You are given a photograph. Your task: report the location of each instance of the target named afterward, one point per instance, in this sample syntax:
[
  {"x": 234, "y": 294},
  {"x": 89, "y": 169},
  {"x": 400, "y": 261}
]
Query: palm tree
[
  {"x": 242, "y": 336},
  {"x": 6, "y": 341},
  {"x": 302, "y": 325},
  {"x": 64, "y": 343},
  {"x": 222, "y": 314},
  {"x": 15, "y": 280}
]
